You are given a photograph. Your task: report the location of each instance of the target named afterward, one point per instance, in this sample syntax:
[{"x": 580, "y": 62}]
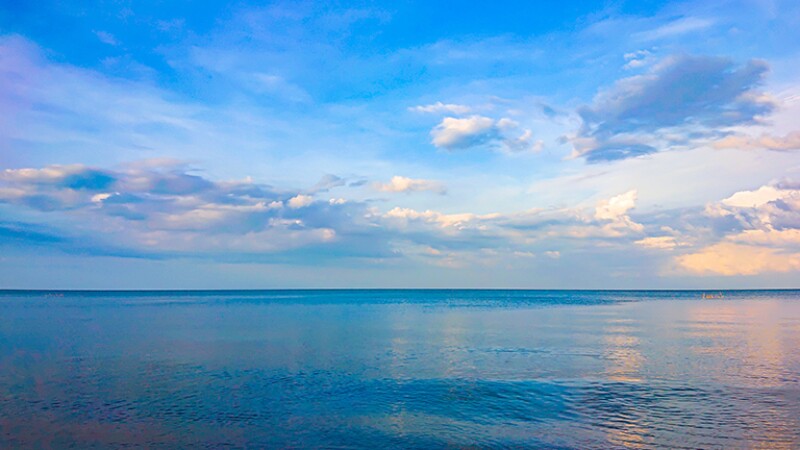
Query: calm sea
[{"x": 399, "y": 368}]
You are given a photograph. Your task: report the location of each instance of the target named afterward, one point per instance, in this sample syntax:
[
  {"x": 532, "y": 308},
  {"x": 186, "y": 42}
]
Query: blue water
[{"x": 399, "y": 368}]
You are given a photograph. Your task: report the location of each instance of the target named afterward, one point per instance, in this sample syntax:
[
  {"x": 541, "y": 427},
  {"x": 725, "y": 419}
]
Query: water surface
[{"x": 412, "y": 369}]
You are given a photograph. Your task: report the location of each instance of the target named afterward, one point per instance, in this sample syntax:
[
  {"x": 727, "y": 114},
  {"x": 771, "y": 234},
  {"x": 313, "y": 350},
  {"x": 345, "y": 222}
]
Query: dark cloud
[
  {"x": 328, "y": 182},
  {"x": 177, "y": 183},
  {"x": 24, "y": 236},
  {"x": 613, "y": 151},
  {"x": 696, "y": 95},
  {"x": 26, "y": 233}
]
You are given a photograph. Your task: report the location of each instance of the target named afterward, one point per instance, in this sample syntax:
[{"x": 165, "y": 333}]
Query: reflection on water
[{"x": 415, "y": 369}]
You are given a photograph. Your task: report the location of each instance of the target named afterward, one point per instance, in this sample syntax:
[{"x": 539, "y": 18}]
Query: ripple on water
[{"x": 404, "y": 371}]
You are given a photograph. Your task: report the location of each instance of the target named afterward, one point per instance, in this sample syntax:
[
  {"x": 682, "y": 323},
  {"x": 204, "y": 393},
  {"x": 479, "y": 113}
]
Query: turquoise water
[{"x": 400, "y": 368}]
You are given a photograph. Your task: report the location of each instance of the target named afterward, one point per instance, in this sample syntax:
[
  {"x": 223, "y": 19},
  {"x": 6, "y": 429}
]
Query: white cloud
[
  {"x": 453, "y": 133},
  {"x": 441, "y": 108},
  {"x": 760, "y": 234},
  {"x": 753, "y": 199},
  {"x": 300, "y": 201},
  {"x": 404, "y": 184},
  {"x": 458, "y": 221},
  {"x": 615, "y": 210},
  {"x": 785, "y": 238},
  {"x": 615, "y": 207},
  {"x": 790, "y": 141},
  {"x": 658, "y": 242},
  {"x": 503, "y": 134}
]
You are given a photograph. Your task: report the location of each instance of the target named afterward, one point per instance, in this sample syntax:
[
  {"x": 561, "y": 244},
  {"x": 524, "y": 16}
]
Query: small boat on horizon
[{"x": 712, "y": 296}]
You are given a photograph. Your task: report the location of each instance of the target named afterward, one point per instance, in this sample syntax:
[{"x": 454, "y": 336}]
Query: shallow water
[{"x": 412, "y": 369}]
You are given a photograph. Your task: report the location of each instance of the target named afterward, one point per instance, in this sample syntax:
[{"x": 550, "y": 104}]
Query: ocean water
[{"x": 399, "y": 368}]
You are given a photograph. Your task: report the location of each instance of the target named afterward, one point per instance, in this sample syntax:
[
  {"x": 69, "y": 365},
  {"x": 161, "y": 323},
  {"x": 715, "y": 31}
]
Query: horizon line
[{"x": 5, "y": 290}]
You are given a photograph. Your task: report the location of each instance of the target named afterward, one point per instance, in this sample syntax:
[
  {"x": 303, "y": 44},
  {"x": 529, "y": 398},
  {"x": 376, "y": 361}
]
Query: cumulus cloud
[
  {"x": 300, "y": 201},
  {"x": 475, "y": 131},
  {"x": 534, "y": 231},
  {"x": 616, "y": 207},
  {"x": 753, "y": 199},
  {"x": 404, "y": 184},
  {"x": 441, "y": 108},
  {"x": 761, "y": 234},
  {"x": 167, "y": 210},
  {"x": 453, "y": 133},
  {"x": 615, "y": 211},
  {"x": 683, "y": 98}
]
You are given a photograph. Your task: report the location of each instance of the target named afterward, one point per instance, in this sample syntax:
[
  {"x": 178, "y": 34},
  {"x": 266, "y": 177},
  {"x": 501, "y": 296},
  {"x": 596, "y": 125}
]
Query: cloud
[
  {"x": 328, "y": 182},
  {"x": 70, "y": 176},
  {"x": 790, "y": 141},
  {"x": 404, "y": 184},
  {"x": 677, "y": 27},
  {"x": 300, "y": 201},
  {"x": 616, "y": 207},
  {"x": 658, "y": 242},
  {"x": 535, "y": 231},
  {"x": 453, "y": 133},
  {"x": 403, "y": 216},
  {"x": 167, "y": 211},
  {"x": 106, "y": 38},
  {"x": 164, "y": 211},
  {"x": 768, "y": 208},
  {"x": 732, "y": 259},
  {"x": 761, "y": 234},
  {"x": 85, "y": 114},
  {"x": 683, "y": 98},
  {"x": 753, "y": 199},
  {"x": 783, "y": 238},
  {"x": 441, "y": 108},
  {"x": 615, "y": 210},
  {"x": 475, "y": 131},
  {"x": 637, "y": 59}
]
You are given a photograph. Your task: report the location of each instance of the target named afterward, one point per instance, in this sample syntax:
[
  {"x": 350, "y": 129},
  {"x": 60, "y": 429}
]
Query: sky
[{"x": 585, "y": 145}]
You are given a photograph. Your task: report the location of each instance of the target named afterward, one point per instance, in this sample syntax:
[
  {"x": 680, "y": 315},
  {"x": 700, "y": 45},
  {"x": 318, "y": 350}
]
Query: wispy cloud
[
  {"x": 677, "y": 27},
  {"x": 106, "y": 38},
  {"x": 441, "y": 108}
]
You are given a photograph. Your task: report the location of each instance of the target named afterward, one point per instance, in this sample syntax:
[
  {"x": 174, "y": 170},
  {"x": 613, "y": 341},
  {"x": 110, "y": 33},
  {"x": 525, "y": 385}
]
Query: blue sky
[{"x": 399, "y": 144}]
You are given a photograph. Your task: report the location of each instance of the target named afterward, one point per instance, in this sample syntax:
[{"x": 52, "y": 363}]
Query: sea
[{"x": 422, "y": 369}]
